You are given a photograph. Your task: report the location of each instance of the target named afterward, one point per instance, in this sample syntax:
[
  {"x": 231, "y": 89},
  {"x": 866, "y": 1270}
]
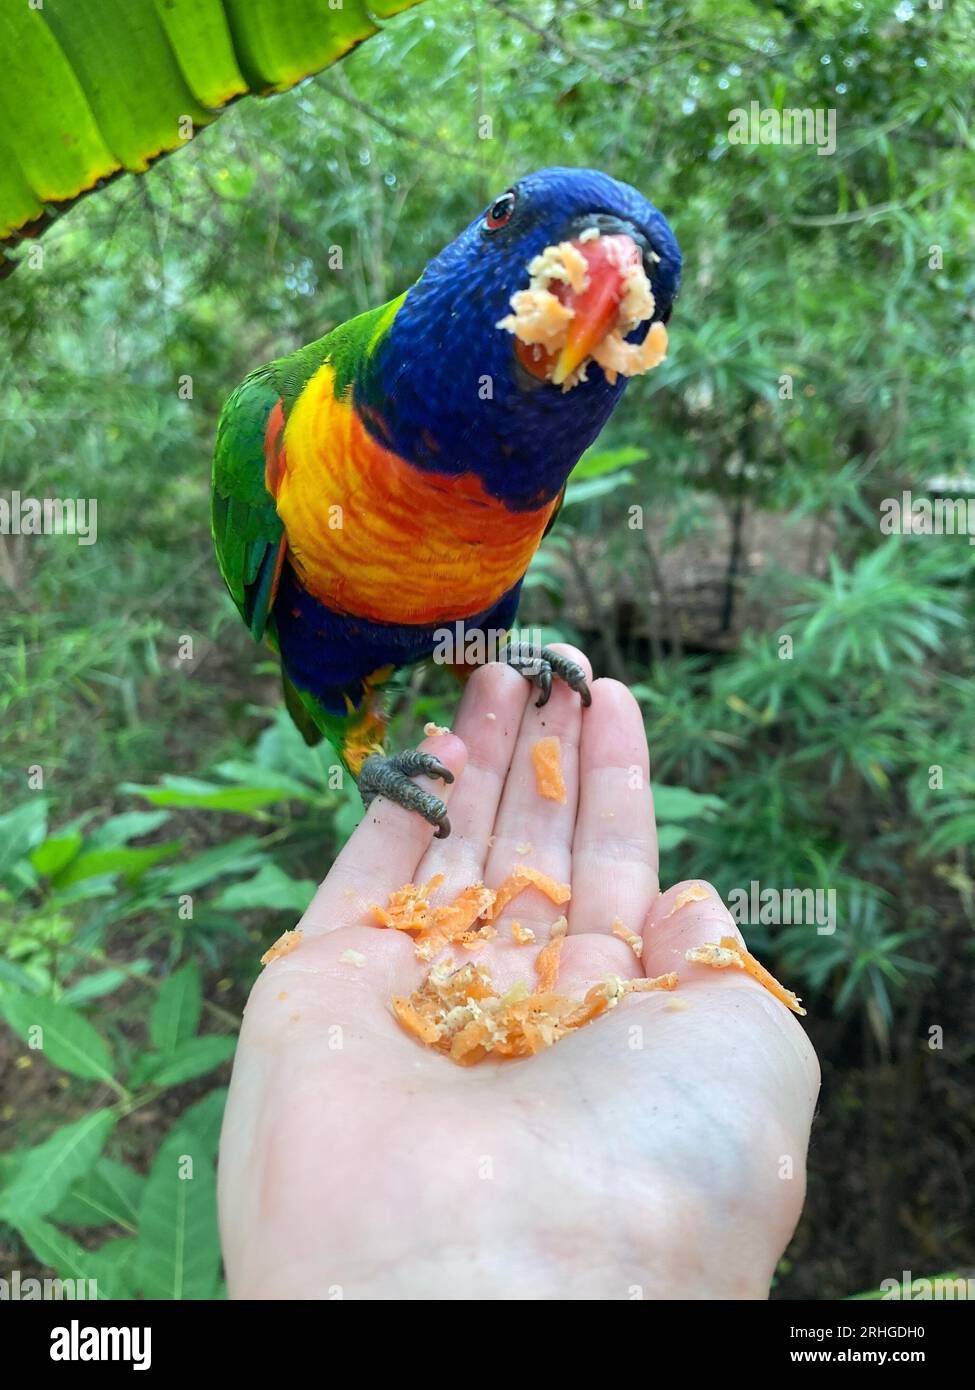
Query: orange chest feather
[{"x": 370, "y": 535}]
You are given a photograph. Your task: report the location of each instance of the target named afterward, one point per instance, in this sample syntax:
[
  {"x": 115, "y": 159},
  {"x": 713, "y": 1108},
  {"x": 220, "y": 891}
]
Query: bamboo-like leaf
[
  {"x": 192, "y": 1058},
  {"x": 66, "y": 1039},
  {"x": 176, "y": 1012},
  {"x": 270, "y": 887},
  {"x": 58, "y": 1251},
  {"x": 112, "y": 1268},
  {"x": 45, "y": 1173},
  {"x": 204, "y": 1118},
  {"x": 107, "y": 1195},
  {"x": 178, "y": 1251}
]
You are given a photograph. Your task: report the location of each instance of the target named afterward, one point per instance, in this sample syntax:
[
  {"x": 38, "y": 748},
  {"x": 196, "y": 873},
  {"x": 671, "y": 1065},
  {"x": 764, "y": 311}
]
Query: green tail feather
[{"x": 306, "y": 725}]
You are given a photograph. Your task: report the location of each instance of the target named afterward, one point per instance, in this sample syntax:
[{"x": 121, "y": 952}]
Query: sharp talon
[
  {"x": 435, "y": 768},
  {"x": 540, "y": 666},
  {"x": 391, "y": 777}
]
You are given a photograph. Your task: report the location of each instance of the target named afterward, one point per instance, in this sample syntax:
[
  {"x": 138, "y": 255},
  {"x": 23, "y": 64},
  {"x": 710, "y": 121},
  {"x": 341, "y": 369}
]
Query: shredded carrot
[
  {"x": 634, "y": 942},
  {"x": 415, "y": 1023},
  {"x": 284, "y": 945},
  {"x": 453, "y": 921},
  {"x": 459, "y": 1013},
  {"x": 474, "y": 940},
  {"x": 697, "y": 893},
  {"x": 729, "y": 953},
  {"x": 668, "y": 982},
  {"x": 547, "y": 761},
  {"x": 549, "y": 957},
  {"x": 409, "y": 907},
  {"x": 521, "y": 877}
]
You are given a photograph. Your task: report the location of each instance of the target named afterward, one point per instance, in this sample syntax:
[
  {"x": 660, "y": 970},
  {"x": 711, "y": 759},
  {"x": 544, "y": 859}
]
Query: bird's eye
[{"x": 500, "y": 213}]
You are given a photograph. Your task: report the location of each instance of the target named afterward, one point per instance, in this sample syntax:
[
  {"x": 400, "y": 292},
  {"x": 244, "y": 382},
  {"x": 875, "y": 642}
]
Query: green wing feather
[
  {"x": 248, "y": 534},
  {"x": 247, "y": 531}
]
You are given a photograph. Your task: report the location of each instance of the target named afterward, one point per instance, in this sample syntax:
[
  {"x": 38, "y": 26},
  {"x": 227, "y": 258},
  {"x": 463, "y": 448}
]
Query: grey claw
[
  {"x": 539, "y": 666},
  {"x": 544, "y": 683},
  {"x": 390, "y": 777}
]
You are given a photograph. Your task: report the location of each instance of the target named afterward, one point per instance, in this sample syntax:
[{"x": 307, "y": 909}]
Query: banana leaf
[{"x": 96, "y": 88}]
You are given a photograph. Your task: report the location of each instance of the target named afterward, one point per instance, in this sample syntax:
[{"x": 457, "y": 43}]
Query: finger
[
  {"x": 738, "y": 1054},
  {"x": 614, "y": 851},
  {"x": 691, "y": 914},
  {"x": 487, "y": 721},
  {"x": 383, "y": 852},
  {"x": 530, "y": 829},
  {"x": 738, "y": 1069}
]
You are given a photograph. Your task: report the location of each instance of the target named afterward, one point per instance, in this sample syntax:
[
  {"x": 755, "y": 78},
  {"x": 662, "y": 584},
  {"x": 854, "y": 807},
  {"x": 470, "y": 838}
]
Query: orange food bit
[
  {"x": 409, "y": 907},
  {"x": 697, "y": 893},
  {"x": 521, "y": 877},
  {"x": 523, "y": 936},
  {"x": 668, "y": 981},
  {"x": 454, "y": 921},
  {"x": 414, "y": 1023},
  {"x": 547, "y": 761},
  {"x": 459, "y": 1013},
  {"x": 549, "y": 958},
  {"x": 729, "y": 953},
  {"x": 284, "y": 945},
  {"x": 634, "y": 942},
  {"x": 596, "y": 1002},
  {"x": 474, "y": 940}
]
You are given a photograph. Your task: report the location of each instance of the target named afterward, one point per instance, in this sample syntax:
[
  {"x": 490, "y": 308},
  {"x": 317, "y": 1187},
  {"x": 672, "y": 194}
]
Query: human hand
[{"x": 657, "y": 1152}]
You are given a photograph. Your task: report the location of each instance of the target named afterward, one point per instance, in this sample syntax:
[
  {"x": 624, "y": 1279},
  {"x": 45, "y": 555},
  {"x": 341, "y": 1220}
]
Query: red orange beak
[{"x": 596, "y": 307}]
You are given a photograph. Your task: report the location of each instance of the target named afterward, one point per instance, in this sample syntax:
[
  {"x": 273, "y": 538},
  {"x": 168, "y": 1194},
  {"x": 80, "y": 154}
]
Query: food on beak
[{"x": 584, "y": 297}]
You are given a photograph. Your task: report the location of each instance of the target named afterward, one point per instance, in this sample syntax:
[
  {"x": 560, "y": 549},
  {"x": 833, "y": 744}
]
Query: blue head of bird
[{"x": 459, "y": 392}]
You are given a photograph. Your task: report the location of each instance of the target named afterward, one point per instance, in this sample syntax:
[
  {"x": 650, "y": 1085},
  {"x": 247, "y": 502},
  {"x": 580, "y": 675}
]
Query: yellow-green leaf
[
  {"x": 65, "y": 1037},
  {"x": 99, "y": 86}
]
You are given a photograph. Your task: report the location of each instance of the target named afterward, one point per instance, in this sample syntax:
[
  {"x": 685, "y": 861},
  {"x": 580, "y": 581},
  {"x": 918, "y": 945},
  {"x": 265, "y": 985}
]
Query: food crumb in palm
[
  {"x": 353, "y": 958},
  {"x": 697, "y": 893},
  {"x": 547, "y": 762},
  {"x": 459, "y": 1013},
  {"x": 550, "y": 957},
  {"x": 678, "y": 1005},
  {"x": 285, "y": 944},
  {"x": 522, "y": 936},
  {"x": 524, "y": 876},
  {"x": 430, "y": 729},
  {"x": 465, "y": 921},
  {"x": 728, "y": 952},
  {"x": 632, "y": 940}
]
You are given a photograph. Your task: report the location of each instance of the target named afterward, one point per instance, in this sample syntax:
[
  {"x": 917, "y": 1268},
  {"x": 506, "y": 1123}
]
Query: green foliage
[
  {"x": 77, "y": 109},
  {"x": 807, "y": 682}
]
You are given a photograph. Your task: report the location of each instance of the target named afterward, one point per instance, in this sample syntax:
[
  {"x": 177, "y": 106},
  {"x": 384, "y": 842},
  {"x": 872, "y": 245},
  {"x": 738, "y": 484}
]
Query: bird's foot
[
  {"x": 540, "y": 664},
  {"x": 390, "y": 777}
]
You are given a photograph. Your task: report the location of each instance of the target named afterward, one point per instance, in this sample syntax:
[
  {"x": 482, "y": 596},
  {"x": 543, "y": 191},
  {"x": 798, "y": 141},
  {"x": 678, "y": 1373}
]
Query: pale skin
[{"x": 658, "y": 1152}]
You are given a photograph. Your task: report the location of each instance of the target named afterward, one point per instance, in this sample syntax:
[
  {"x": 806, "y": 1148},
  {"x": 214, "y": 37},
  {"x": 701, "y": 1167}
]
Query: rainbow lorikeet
[{"x": 394, "y": 478}]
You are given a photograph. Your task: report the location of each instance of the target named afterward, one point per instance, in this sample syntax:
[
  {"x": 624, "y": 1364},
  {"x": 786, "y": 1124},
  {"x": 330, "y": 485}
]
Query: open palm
[{"x": 658, "y": 1152}]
